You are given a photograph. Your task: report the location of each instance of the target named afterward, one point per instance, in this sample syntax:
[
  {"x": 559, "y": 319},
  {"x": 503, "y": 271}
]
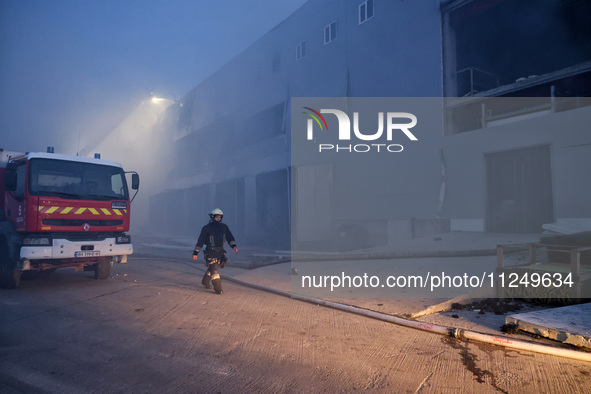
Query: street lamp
[{"x": 157, "y": 99}]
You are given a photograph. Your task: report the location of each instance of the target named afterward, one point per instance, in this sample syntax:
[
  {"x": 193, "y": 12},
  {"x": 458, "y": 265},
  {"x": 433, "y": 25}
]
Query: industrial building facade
[{"x": 489, "y": 168}]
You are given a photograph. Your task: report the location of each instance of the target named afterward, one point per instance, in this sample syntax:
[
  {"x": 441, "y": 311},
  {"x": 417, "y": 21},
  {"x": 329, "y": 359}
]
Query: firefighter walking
[{"x": 214, "y": 235}]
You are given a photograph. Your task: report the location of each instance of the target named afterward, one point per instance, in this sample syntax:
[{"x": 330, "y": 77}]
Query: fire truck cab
[{"x": 62, "y": 211}]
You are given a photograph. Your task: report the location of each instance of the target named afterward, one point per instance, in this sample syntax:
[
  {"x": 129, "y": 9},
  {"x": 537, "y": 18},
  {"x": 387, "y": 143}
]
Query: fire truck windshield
[{"x": 76, "y": 180}]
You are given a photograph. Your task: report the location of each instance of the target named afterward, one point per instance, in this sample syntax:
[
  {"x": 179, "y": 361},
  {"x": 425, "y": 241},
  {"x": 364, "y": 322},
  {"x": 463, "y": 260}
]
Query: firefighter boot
[
  {"x": 217, "y": 283},
  {"x": 206, "y": 281}
]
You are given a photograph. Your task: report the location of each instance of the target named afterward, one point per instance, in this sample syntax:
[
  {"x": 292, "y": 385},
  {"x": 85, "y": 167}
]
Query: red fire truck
[{"x": 61, "y": 211}]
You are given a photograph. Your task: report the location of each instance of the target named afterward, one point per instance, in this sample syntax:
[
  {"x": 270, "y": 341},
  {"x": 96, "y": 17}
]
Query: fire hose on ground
[
  {"x": 458, "y": 333},
  {"x": 454, "y": 332}
]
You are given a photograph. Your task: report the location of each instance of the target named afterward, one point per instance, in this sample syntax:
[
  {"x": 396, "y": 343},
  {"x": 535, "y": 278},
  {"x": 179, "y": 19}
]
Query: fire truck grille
[{"x": 77, "y": 222}]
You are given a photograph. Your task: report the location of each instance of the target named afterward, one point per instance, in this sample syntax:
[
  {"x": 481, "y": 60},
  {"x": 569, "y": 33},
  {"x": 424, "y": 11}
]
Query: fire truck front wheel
[
  {"x": 102, "y": 269},
  {"x": 10, "y": 277}
]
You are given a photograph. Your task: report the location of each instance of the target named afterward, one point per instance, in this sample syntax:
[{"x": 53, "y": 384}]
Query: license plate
[{"x": 87, "y": 253}]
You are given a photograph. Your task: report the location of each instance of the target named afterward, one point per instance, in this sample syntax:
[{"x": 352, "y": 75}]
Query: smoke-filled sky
[{"x": 71, "y": 69}]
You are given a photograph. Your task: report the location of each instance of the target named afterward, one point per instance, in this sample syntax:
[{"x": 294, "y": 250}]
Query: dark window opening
[
  {"x": 301, "y": 50},
  {"x": 330, "y": 32},
  {"x": 507, "y": 42},
  {"x": 365, "y": 11}
]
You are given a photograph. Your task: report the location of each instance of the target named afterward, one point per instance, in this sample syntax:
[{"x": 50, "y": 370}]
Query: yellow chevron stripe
[{"x": 94, "y": 211}]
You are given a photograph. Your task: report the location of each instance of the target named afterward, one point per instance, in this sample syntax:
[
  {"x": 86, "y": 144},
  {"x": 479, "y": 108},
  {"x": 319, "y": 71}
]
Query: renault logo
[{"x": 86, "y": 227}]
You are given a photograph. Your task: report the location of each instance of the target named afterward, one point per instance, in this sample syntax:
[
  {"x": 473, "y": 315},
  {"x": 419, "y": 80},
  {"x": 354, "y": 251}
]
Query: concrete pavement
[{"x": 474, "y": 250}]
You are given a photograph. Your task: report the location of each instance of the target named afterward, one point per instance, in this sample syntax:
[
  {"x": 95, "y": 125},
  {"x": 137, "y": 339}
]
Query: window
[
  {"x": 301, "y": 50},
  {"x": 330, "y": 32},
  {"x": 19, "y": 193},
  {"x": 117, "y": 186},
  {"x": 365, "y": 11},
  {"x": 71, "y": 179}
]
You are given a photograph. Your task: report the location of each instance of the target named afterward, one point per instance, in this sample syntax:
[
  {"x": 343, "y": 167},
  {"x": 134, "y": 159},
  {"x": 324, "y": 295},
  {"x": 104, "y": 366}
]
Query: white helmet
[{"x": 215, "y": 212}]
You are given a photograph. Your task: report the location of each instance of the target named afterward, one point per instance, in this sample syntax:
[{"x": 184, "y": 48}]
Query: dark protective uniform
[{"x": 214, "y": 235}]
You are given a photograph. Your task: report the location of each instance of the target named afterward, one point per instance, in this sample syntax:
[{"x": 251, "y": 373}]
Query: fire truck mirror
[
  {"x": 10, "y": 181},
  {"x": 135, "y": 181}
]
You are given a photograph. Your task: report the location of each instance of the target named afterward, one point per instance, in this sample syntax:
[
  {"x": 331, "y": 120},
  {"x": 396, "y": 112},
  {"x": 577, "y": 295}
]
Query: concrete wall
[{"x": 567, "y": 134}]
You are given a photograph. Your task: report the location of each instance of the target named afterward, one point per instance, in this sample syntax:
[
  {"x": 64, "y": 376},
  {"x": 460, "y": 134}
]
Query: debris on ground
[
  {"x": 496, "y": 306},
  {"x": 511, "y": 328}
]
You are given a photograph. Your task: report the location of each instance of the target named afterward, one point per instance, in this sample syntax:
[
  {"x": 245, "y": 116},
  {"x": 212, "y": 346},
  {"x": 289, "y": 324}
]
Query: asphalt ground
[
  {"x": 475, "y": 309},
  {"x": 152, "y": 327}
]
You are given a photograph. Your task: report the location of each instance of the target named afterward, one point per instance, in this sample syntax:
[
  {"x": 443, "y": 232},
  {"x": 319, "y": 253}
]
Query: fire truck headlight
[
  {"x": 123, "y": 239},
  {"x": 31, "y": 241}
]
